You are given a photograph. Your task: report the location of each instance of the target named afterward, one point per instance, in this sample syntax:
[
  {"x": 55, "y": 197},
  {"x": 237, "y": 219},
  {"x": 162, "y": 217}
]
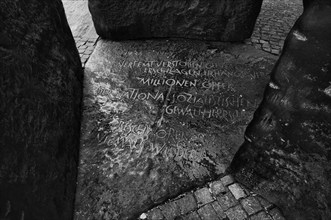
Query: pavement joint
[{"x": 233, "y": 202}]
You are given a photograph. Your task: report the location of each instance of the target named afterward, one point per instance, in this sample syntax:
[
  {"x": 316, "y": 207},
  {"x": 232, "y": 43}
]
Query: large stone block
[
  {"x": 286, "y": 156},
  {"x": 219, "y": 20},
  {"x": 40, "y": 93},
  {"x": 162, "y": 117}
]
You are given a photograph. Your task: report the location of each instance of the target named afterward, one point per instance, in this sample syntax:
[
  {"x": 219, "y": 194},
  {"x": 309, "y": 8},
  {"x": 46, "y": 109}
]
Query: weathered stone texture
[
  {"x": 286, "y": 155},
  {"x": 162, "y": 117},
  {"x": 225, "y": 20},
  {"x": 40, "y": 93}
]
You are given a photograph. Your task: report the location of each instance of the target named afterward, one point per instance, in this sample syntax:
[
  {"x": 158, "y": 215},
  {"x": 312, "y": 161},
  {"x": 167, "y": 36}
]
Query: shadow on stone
[
  {"x": 286, "y": 154},
  {"x": 40, "y": 93}
]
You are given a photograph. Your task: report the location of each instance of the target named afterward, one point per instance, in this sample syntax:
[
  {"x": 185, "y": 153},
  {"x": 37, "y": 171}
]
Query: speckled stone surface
[
  {"x": 160, "y": 118},
  {"x": 40, "y": 93},
  {"x": 286, "y": 156},
  {"x": 220, "y": 20}
]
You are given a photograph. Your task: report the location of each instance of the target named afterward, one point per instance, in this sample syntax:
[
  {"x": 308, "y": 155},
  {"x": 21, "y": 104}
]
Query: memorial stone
[
  {"x": 40, "y": 95},
  {"x": 162, "y": 117},
  {"x": 221, "y": 20},
  {"x": 286, "y": 156}
]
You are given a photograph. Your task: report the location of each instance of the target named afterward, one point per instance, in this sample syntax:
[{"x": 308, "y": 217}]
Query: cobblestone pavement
[
  {"x": 223, "y": 199},
  {"x": 80, "y": 22},
  {"x": 274, "y": 23}
]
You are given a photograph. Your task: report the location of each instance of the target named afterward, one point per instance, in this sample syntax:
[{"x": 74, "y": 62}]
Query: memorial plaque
[{"x": 160, "y": 118}]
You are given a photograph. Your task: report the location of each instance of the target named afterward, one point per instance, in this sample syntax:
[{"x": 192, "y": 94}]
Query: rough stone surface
[
  {"x": 221, "y": 20},
  {"x": 192, "y": 216},
  {"x": 227, "y": 201},
  {"x": 170, "y": 210},
  {"x": 251, "y": 205},
  {"x": 277, "y": 215},
  {"x": 217, "y": 188},
  {"x": 203, "y": 196},
  {"x": 155, "y": 214},
  {"x": 40, "y": 93},
  {"x": 187, "y": 203},
  {"x": 286, "y": 154},
  {"x": 261, "y": 216},
  {"x": 236, "y": 213},
  {"x": 220, "y": 212},
  {"x": 207, "y": 212},
  {"x": 162, "y": 117},
  {"x": 265, "y": 204},
  {"x": 306, "y": 3},
  {"x": 227, "y": 180},
  {"x": 237, "y": 191}
]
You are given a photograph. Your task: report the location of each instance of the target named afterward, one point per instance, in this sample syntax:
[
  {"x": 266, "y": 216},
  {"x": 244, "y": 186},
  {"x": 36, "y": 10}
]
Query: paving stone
[
  {"x": 187, "y": 203},
  {"x": 237, "y": 191},
  {"x": 87, "y": 53},
  {"x": 276, "y": 52},
  {"x": 236, "y": 213},
  {"x": 251, "y": 205},
  {"x": 227, "y": 180},
  {"x": 260, "y": 216},
  {"x": 285, "y": 12},
  {"x": 217, "y": 187},
  {"x": 170, "y": 210},
  {"x": 276, "y": 214},
  {"x": 226, "y": 201},
  {"x": 265, "y": 204},
  {"x": 193, "y": 216},
  {"x": 155, "y": 214},
  {"x": 207, "y": 213},
  {"x": 91, "y": 48},
  {"x": 203, "y": 196},
  {"x": 88, "y": 43},
  {"x": 220, "y": 213}
]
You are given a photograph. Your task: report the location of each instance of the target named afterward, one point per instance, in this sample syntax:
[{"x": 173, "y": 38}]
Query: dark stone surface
[
  {"x": 40, "y": 95},
  {"x": 220, "y": 20},
  {"x": 162, "y": 117},
  {"x": 286, "y": 155},
  {"x": 306, "y": 3}
]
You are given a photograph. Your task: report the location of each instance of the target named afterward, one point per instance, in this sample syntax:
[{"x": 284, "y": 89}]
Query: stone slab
[
  {"x": 221, "y": 20},
  {"x": 162, "y": 117},
  {"x": 41, "y": 82}
]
